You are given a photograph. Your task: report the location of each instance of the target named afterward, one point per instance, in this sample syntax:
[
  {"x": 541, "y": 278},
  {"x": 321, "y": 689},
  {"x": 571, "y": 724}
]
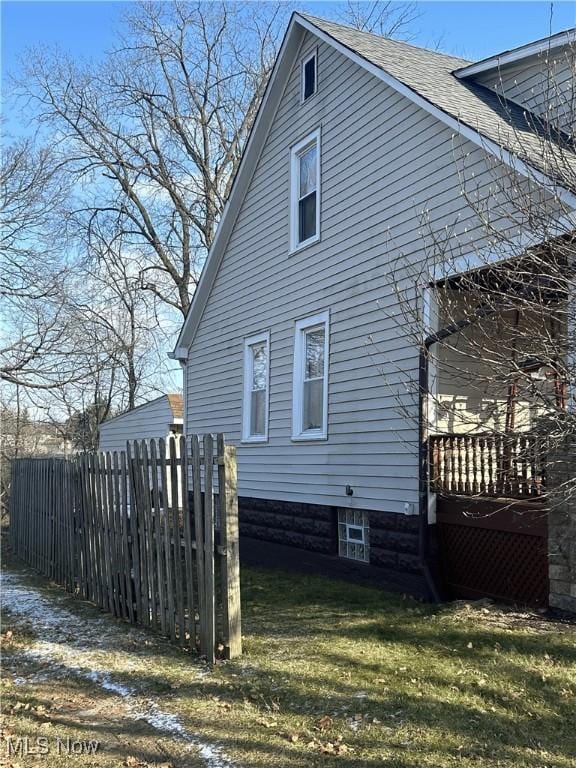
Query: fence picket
[
  {"x": 108, "y": 491},
  {"x": 149, "y": 532},
  {"x": 158, "y": 541},
  {"x": 167, "y": 540},
  {"x": 188, "y": 552},
  {"x": 132, "y": 520},
  {"x": 177, "y": 538},
  {"x": 198, "y": 517}
]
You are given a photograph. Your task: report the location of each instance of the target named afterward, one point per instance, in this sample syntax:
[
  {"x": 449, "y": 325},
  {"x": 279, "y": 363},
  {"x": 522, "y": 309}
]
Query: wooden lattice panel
[{"x": 488, "y": 558}]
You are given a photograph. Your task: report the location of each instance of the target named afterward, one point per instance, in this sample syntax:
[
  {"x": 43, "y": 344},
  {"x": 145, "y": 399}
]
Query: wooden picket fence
[{"x": 142, "y": 533}]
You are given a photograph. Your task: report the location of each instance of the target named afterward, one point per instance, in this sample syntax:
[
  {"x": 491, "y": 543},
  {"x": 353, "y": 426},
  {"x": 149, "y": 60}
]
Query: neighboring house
[
  {"x": 24, "y": 437},
  {"x": 291, "y": 346},
  {"x": 159, "y": 418}
]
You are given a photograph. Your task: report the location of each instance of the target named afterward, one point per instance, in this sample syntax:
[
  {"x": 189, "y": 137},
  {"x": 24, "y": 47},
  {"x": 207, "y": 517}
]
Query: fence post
[{"x": 228, "y": 492}]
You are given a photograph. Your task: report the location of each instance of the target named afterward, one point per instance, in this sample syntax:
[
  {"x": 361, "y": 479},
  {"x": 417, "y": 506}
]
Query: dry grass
[{"x": 335, "y": 674}]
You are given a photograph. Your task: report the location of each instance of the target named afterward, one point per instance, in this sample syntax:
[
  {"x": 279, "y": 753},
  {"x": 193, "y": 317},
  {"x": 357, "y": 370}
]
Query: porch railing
[{"x": 510, "y": 466}]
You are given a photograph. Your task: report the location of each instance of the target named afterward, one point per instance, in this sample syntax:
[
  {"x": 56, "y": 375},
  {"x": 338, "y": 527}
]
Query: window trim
[
  {"x": 249, "y": 342},
  {"x": 355, "y": 527},
  {"x": 301, "y": 327},
  {"x": 305, "y": 60},
  {"x": 295, "y": 152}
]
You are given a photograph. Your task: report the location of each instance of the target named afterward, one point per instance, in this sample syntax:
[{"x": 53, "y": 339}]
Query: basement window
[
  {"x": 353, "y": 535},
  {"x": 309, "y": 76}
]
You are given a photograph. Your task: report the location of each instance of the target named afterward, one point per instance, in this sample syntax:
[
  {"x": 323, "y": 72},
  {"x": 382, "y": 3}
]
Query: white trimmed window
[
  {"x": 256, "y": 385},
  {"x": 353, "y": 535},
  {"x": 310, "y": 385},
  {"x": 309, "y": 78},
  {"x": 305, "y": 192}
]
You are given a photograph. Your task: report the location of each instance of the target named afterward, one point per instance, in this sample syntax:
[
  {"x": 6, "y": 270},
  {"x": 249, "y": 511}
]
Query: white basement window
[
  {"x": 353, "y": 535},
  {"x": 305, "y": 192},
  {"x": 310, "y": 383},
  {"x": 309, "y": 76},
  {"x": 256, "y": 384}
]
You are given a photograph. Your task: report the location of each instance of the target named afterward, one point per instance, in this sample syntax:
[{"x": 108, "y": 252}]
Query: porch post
[
  {"x": 431, "y": 323},
  {"x": 571, "y": 346}
]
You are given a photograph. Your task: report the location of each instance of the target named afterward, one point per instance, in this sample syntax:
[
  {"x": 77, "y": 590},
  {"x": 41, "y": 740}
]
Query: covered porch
[{"x": 498, "y": 402}]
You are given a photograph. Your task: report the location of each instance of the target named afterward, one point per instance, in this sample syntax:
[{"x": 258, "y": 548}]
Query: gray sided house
[
  {"x": 295, "y": 345},
  {"x": 157, "y": 419}
]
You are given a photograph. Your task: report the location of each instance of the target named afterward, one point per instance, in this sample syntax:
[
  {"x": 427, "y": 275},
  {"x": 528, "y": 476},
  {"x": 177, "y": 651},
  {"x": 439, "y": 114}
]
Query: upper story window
[
  {"x": 310, "y": 385},
  {"x": 256, "y": 383},
  {"x": 305, "y": 192},
  {"x": 309, "y": 76}
]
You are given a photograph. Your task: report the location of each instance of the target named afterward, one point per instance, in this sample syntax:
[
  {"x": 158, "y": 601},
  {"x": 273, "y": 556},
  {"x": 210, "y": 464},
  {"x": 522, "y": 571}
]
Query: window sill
[
  {"x": 308, "y": 438},
  {"x": 353, "y": 560},
  {"x": 303, "y": 246},
  {"x": 308, "y": 99},
  {"x": 253, "y": 440}
]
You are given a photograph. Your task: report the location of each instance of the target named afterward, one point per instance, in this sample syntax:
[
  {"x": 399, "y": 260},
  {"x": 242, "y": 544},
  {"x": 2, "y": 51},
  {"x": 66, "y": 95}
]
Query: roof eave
[{"x": 568, "y": 37}]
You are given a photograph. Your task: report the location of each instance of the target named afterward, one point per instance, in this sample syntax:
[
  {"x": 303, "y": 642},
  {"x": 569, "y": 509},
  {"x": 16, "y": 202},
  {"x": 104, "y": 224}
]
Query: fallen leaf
[
  {"x": 324, "y": 723},
  {"x": 133, "y": 762},
  {"x": 267, "y": 723}
]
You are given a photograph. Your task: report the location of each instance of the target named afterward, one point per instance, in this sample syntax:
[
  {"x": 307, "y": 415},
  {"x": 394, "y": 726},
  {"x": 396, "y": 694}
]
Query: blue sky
[{"x": 469, "y": 29}]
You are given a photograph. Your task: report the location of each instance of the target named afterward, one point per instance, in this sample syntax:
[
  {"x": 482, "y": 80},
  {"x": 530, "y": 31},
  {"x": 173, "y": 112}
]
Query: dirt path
[{"x": 73, "y": 681}]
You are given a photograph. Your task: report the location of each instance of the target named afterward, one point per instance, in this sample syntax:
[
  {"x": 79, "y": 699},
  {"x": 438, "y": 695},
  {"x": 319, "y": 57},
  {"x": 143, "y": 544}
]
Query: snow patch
[{"x": 69, "y": 644}]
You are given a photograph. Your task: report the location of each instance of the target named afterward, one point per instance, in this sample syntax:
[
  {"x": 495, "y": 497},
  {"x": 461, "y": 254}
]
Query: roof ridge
[{"x": 374, "y": 35}]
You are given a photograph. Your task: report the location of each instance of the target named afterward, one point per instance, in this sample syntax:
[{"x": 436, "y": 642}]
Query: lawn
[{"x": 334, "y": 675}]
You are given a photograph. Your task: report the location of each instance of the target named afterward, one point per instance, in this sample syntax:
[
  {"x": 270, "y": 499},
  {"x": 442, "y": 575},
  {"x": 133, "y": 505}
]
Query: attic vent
[{"x": 309, "y": 78}]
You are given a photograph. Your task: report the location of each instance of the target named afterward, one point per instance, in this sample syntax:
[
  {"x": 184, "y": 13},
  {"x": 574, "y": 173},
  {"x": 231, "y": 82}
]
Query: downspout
[{"x": 423, "y": 430}]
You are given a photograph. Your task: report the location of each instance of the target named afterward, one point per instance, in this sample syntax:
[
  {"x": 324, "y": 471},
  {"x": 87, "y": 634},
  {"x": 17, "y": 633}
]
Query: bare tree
[
  {"x": 382, "y": 17},
  {"x": 33, "y": 349},
  {"x": 156, "y": 133},
  {"x": 31, "y": 191},
  {"x": 128, "y": 319}
]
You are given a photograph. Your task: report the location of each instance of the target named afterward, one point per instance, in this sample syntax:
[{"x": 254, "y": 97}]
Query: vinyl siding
[
  {"x": 544, "y": 84},
  {"x": 149, "y": 421},
  {"x": 383, "y": 162}
]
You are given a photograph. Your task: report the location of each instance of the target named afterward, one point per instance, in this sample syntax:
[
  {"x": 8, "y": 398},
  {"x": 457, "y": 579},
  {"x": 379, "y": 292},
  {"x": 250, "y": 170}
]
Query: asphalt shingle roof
[
  {"x": 176, "y": 405},
  {"x": 430, "y": 75}
]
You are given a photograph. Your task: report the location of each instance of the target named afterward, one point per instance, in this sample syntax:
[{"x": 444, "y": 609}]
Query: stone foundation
[
  {"x": 304, "y": 537},
  {"x": 562, "y": 529}
]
